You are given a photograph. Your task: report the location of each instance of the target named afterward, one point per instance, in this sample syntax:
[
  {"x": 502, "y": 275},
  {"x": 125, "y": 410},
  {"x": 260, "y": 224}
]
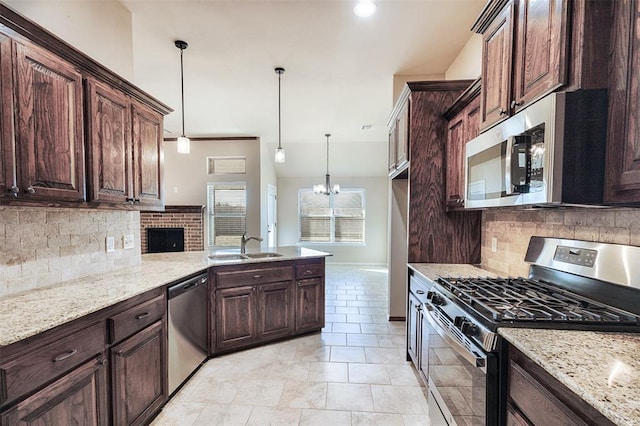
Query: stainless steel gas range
[{"x": 571, "y": 285}]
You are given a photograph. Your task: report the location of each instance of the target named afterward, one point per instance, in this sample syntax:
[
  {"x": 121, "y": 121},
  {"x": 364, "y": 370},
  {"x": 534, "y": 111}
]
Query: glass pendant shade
[
  {"x": 280, "y": 155},
  {"x": 184, "y": 145}
]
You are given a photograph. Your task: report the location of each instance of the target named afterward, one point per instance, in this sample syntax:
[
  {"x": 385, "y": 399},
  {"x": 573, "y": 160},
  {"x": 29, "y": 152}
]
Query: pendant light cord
[
  {"x": 182, "y": 86},
  {"x": 279, "y": 113},
  {"x": 327, "y": 135}
]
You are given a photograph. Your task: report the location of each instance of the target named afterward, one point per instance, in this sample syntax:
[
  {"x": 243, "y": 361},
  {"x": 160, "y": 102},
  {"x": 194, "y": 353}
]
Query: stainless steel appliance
[
  {"x": 571, "y": 285},
  {"x": 552, "y": 152},
  {"x": 187, "y": 334}
]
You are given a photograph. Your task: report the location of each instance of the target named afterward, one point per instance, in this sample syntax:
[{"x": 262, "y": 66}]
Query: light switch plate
[
  {"x": 494, "y": 244},
  {"x": 111, "y": 244},
  {"x": 128, "y": 242}
]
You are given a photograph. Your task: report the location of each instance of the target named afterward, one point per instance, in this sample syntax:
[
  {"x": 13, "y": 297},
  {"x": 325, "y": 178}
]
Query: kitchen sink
[
  {"x": 227, "y": 256},
  {"x": 262, "y": 255}
]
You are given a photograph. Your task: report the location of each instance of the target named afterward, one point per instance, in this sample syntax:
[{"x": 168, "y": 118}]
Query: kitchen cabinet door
[
  {"x": 622, "y": 181},
  {"x": 79, "y": 397},
  {"x": 540, "y": 50},
  {"x": 236, "y": 317},
  {"x": 110, "y": 144},
  {"x": 497, "y": 55},
  {"x": 139, "y": 375},
  {"x": 48, "y": 125},
  {"x": 393, "y": 142},
  {"x": 455, "y": 161},
  {"x": 7, "y": 164},
  {"x": 309, "y": 304},
  {"x": 275, "y": 310},
  {"x": 148, "y": 157},
  {"x": 402, "y": 147}
]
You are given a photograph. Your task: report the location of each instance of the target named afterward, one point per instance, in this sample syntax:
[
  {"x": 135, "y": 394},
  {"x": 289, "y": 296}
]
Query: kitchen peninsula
[{"x": 64, "y": 340}]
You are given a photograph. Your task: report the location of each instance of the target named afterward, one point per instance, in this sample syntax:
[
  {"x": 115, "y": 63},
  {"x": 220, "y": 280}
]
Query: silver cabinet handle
[
  {"x": 66, "y": 355},
  {"x": 142, "y": 315},
  {"x": 257, "y": 276},
  {"x": 30, "y": 190},
  {"x": 14, "y": 190}
]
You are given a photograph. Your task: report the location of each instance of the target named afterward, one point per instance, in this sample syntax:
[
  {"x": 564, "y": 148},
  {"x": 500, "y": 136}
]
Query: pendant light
[
  {"x": 279, "y": 151},
  {"x": 183, "y": 141},
  {"x": 327, "y": 189}
]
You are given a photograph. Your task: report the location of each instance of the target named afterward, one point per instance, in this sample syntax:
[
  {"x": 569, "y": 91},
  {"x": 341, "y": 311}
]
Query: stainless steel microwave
[{"x": 550, "y": 153}]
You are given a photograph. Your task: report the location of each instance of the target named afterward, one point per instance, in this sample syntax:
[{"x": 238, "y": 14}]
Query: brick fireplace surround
[{"x": 191, "y": 218}]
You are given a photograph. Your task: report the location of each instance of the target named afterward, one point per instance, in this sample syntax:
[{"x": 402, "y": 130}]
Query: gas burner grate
[{"x": 524, "y": 299}]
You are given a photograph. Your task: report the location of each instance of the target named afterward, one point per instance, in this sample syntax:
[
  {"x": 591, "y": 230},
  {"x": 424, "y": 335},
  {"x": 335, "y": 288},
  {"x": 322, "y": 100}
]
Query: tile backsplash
[
  {"x": 41, "y": 246},
  {"x": 513, "y": 228}
]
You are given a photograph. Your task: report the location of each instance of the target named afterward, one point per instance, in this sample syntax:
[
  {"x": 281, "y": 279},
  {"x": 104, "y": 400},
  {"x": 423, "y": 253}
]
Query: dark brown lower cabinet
[
  {"x": 536, "y": 398},
  {"x": 235, "y": 317},
  {"x": 77, "y": 398},
  {"x": 138, "y": 375},
  {"x": 275, "y": 310},
  {"x": 309, "y": 304}
]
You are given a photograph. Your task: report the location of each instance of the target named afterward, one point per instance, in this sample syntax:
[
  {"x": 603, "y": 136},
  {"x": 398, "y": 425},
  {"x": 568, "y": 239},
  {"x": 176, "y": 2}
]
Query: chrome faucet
[{"x": 244, "y": 240}]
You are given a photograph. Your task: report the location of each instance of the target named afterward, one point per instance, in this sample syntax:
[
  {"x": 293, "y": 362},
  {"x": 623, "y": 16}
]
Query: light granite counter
[
  {"x": 26, "y": 314},
  {"x": 601, "y": 368},
  {"x": 435, "y": 270}
]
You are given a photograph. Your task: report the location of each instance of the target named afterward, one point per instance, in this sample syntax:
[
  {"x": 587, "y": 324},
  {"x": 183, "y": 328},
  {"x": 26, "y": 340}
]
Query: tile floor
[{"x": 353, "y": 373}]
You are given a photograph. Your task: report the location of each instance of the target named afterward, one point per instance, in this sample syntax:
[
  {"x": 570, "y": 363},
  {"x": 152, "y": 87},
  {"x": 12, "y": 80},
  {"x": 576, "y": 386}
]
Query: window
[
  {"x": 226, "y": 165},
  {"x": 335, "y": 218},
  {"x": 227, "y": 207}
]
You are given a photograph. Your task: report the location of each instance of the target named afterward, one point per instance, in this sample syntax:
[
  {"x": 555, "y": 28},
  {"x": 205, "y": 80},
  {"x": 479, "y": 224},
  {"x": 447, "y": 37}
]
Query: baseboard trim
[{"x": 397, "y": 318}]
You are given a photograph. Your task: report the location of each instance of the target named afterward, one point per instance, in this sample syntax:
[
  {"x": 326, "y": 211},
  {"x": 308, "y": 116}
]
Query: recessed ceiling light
[{"x": 365, "y": 8}]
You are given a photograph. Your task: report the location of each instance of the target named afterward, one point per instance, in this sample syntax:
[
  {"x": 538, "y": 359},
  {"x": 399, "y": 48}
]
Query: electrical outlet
[
  {"x": 111, "y": 244},
  {"x": 127, "y": 241},
  {"x": 494, "y": 244}
]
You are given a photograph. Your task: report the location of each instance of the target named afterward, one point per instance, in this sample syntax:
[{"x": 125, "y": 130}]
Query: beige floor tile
[
  {"x": 403, "y": 375},
  {"x": 362, "y": 340},
  {"x": 321, "y": 353},
  {"x": 224, "y": 414},
  {"x": 267, "y": 416},
  {"x": 368, "y": 373},
  {"x": 347, "y": 354},
  {"x": 392, "y": 340},
  {"x": 348, "y": 396},
  {"x": 325, "y": 418},
  {"x": 334, "y": 339},
  {"x": 216, "y": 390},
  {"x": 328, "y": 372},
  {"x": 416, "y": 420},
  {"x": 375, "y": 328},
  {"x": 358, "y": 303},
  {"x": 263, "y": 392},
  {"x": 343, "y": 327},
  {"x": 284, "y": 370},
  {"x": 359, "y": 318},
  {"x": 297, "y": 394},
  {"x": 179, "y": 414},
  {"x": 335, "y": 317},
  {"x": 385, "y": 355},
  {"x": 376, "y": 419},
  {"x": 347, "y": 310},
  {"x": 399, "y": 399}
]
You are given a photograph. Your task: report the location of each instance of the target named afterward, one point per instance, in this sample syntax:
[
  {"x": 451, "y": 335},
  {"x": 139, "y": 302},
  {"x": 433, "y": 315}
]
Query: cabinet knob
[
  {"x": 516, "y": 104},
  {"x": 130, "y": 200},
  {"x": 14, "y": 190},
  {"x": 502, "y": 112},
  {"x": 30, "y": 190}
]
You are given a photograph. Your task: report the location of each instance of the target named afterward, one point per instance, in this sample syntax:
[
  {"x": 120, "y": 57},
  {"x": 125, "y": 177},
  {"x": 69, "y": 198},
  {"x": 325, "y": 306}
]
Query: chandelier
[{"x": 327, "y": 188}]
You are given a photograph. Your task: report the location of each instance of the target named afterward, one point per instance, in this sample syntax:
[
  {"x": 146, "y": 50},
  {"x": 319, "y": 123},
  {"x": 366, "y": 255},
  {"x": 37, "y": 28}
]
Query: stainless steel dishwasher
[{"x": 187, "y": 336}]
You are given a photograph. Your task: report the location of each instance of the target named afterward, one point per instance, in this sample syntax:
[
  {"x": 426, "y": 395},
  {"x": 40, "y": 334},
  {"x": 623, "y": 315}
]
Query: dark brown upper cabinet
[
  {"x": 531, "y": 48},
  {"x": 64, "y": 144},
  {"x": 125, "y": 155},
  {"x": 48, "y": 126},
  {"x": 622, "y": 181},
  {"x": 463, "y": 125}
]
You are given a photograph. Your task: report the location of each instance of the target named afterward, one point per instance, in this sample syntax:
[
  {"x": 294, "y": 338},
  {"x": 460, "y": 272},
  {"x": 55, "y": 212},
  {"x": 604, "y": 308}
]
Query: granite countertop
[
  {"x": 601, "y": 368},
  {"x": 434, "y": 270},
  {"x": 26, "y": 314}
]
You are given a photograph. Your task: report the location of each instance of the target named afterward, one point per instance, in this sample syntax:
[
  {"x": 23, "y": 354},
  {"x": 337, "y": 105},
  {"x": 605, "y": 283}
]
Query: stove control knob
[
  {"x": 458, "y": 321},
  {"x": 436, "y": 299},
  {"x": 468, "y": 328}
]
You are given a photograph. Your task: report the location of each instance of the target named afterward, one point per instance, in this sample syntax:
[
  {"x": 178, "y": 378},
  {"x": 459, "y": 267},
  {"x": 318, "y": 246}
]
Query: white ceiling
[{"x": 339, "y": 70}]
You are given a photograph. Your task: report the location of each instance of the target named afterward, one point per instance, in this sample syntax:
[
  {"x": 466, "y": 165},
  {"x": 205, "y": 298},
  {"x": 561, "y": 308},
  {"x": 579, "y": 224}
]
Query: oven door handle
[{"x": 472, "y": 357}]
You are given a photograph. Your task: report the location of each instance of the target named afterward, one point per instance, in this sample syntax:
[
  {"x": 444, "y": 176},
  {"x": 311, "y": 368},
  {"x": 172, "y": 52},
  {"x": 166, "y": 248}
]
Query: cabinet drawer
[
  {"x": 43, "y": 364},
  {"x": 309, "y": 270},
  {"x": 253, "y": 276},
  {"x": 136, "y": 318}
]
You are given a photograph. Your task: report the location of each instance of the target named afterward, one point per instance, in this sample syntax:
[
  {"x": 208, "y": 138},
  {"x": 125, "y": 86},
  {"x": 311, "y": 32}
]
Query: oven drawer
[
  {"x": 41, "y": 364},
  {"x": 253, "y": 276},
  {"x": 136, "y": 318}
]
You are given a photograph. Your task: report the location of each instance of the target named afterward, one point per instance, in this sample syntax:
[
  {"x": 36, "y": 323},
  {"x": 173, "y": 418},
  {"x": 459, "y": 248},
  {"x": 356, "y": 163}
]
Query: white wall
[
  {"x": 398, "y": 247},
  {"x": 376, "y": 193},
  {"x": 186, "y": 178},
  {"x": 468, "y": 63},
  {"x": 101, "y": 29}
]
